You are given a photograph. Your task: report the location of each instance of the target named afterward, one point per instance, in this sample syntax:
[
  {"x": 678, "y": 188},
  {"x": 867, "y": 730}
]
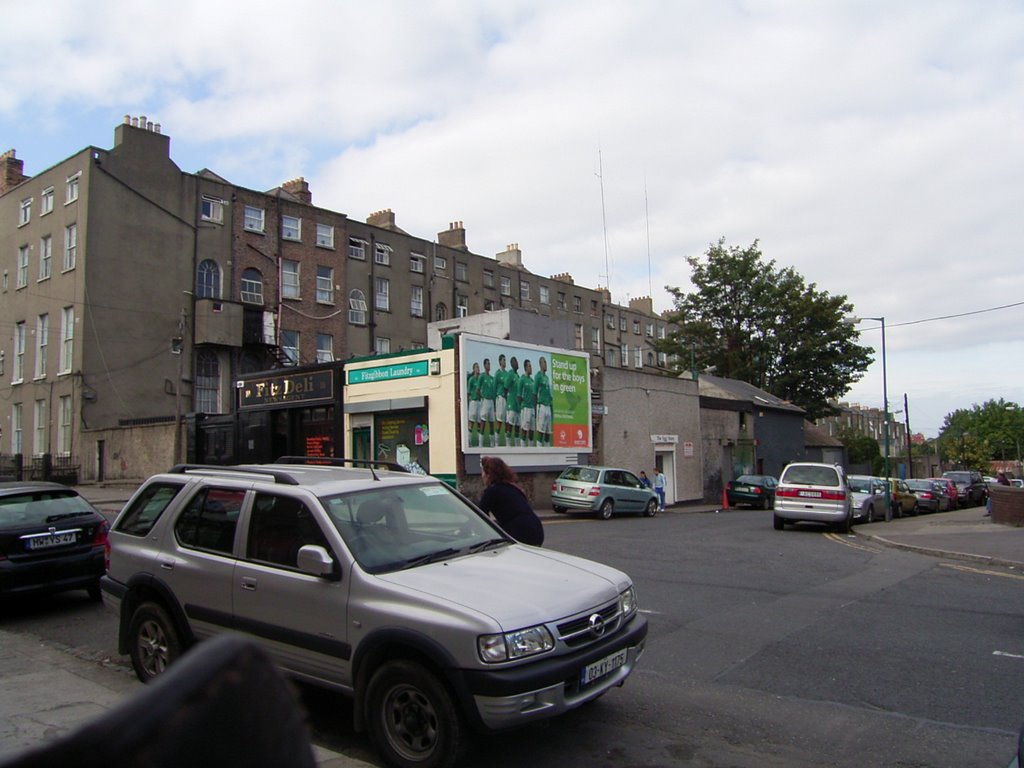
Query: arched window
[
  {"x": 357, "y": 307},
  {"x": 440, "y": 311},
  {"x": 252, "y": 286},
  {"x": 207, "y": 382},
  {"x": 208, "y": 280}
]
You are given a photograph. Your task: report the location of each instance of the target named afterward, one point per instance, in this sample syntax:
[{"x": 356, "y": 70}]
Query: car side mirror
[{"x": 316, "y": 561}]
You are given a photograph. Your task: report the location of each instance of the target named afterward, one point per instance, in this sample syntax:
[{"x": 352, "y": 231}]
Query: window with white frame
[
  {"x": 324, "y": 284},
  {"x": 42, "y": 335},
  {"x": 622, "y": 323},
  {"x": 663, "y": 359},
  {"x": 291, "y": 228},
  {"x": 490, "y": 305},
  {"x": 252, "y": 286},
  {"x": 461, "y": 271},
  {"x": 382, "y": 254},
  {"x": 64, "y": 431},
  {"x": 25, "y": 212},
  {"x": 561, "y": 301},
  {"x": 18, "y": 373},
  {"x": 356, "y": 307},
  {"x": 461, "y": 305},
  {"x": 595, "y": 340},
  {"x": 70, "y": 246},
  {"x": 46, "y": 201},
  {"x": 636, "y": 327},
  {"x": 67, "y": 339},
  {"x": 207, "y": 382},
  {"x": 208, "y": 280},
  {"x": 17, "y": 420},
  {"x": 45, "y": 256},
  {"x": 212, "y": 209},
  {"x": 577, "y": 305},
  {"x": 289, "y": 279},
  {"x": 578, "y": 336},
  {"x": 71, "y": 188},
  {"x": 506, "y": 286},
  {"x": 22, "y": 266},
  {"x": 440, "y": 263},
  {"x": 649, "y": 330},
  {"x": 416, "y": 300},
  {"x": 382, "y": 345},
  {"x": 255, "y": 219},
  {"x": 544, "y": 294},
  {"x": 609, "y": 320},
  {"x": 524, "y": 290},
  {"x": 324, "y": 236},
  {"x": 357, "y": 248},
  {"x": 661, "y": 331},
  {"x": 39, "y": 442},
  {"x": 638, "y": 358},
  {"x": 416, "y": 262},
  {"x": 324, "y": 348},
  {"x": 441, "y": 311},
  {"x": 382, "y": 294},
  {"x": 488, "y": 278},
  {"x": 624, "y": 355},
  {"x": 290, "y": 346},
  {"x": 611, "y": 356}
]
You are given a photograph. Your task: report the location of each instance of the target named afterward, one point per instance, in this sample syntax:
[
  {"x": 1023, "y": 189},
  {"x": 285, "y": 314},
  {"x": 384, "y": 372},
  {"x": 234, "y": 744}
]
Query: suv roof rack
[
  {"x": 279, "y": 476},
  {"x": 332, "y": 461}
]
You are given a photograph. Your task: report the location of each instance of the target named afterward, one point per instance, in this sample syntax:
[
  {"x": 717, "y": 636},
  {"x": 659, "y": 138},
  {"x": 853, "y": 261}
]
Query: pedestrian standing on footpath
[
  {"x": 659, "y": 487},
  {"x": 505, "y": 501},
  {"x": 645, "y": 481}
]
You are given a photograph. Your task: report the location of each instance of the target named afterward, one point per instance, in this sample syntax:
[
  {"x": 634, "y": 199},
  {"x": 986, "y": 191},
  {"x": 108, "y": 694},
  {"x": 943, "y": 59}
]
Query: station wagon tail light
[{"x": 514, "y": 645}]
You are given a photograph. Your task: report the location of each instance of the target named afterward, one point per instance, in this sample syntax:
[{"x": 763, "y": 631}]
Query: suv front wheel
[
  {"x": 412, "y": 718},
  {"x": 154, "y": 641}
]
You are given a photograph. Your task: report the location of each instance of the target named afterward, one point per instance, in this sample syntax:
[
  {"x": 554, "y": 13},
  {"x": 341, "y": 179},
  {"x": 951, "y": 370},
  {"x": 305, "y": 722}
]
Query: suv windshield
[
  {"x": 407, "y": 525},
  {"x": 797, "y": 474}
]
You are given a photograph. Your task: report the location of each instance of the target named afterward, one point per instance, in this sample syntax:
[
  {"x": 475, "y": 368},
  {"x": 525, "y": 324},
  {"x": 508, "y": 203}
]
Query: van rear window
[{"x": 811, "y": 476}]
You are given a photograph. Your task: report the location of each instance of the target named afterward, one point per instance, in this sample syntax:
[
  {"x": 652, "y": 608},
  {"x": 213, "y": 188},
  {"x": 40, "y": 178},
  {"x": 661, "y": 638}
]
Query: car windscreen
[
  {"x": 809, "y": 475},
  {"x": 958, "y": 477},
  {"x": 749, "y": 479},
  {"x": 861, "y": 484},
  {"x": 408, "y": 525},
  {"x": 36, "y": 507},
  {"x": 920, "y": 485}
]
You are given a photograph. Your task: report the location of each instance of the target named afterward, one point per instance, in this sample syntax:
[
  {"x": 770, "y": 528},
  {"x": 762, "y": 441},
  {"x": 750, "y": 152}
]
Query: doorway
[{"x": 665, "y": 461}]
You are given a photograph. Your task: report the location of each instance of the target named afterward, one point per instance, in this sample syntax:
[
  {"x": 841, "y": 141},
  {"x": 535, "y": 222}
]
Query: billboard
[{"x": 523, "y": 398}]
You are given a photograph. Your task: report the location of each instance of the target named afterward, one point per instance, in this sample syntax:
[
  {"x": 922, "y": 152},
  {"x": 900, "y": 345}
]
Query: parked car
[
  {"x": 604, "y": 490},
  {"x": 1016, "y": 482},
  {"x": 904, "y": 502},
  {"x": 387, "y": 586},
  {"x": 971, "y": 487},
  {"x": 51, "y": 540},
  {"x": 813, "y": 492},
  {"x": 869, "y": 499},
  {"x": 951, "y": 490},
  {"x": 753, "y": 490},
  {"x": 930, "y": 495}
]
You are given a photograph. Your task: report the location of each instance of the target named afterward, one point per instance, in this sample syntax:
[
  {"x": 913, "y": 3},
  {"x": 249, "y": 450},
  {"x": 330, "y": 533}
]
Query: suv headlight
[
  {"x": 627, "y": 602},
  {"x": 514, "y": 645}
]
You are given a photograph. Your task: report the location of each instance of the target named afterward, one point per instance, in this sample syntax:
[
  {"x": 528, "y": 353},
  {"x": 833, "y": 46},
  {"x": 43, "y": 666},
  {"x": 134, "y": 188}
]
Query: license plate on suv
[{"x": 602, "y": 667}]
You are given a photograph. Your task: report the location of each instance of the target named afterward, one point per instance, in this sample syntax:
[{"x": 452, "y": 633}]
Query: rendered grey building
[{"x": 135, "y": 295}]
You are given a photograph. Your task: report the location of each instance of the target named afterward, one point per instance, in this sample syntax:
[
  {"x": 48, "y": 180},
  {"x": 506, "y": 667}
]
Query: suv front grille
[{"x": 579, "y": 631}]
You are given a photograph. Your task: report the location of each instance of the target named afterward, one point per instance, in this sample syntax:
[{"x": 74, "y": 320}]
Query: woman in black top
[{"x": 506, "y": 502}]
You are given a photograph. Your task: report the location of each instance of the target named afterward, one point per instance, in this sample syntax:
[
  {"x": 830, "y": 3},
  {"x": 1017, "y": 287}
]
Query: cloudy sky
[{"x": 875, "y": 146}]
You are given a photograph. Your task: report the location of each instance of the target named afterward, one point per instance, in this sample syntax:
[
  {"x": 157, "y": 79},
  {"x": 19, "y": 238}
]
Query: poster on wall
[
  {"x": 523, "y": 398},
  {"x": 403, "y": 437}
]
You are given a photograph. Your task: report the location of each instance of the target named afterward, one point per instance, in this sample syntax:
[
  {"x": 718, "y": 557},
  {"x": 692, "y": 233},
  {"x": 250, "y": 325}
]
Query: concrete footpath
[{"x": 47, "y": 691}]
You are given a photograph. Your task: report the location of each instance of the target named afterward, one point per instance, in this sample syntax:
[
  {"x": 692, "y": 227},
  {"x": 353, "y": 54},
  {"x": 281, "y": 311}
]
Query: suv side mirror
[{"x": 315, "y": 560}]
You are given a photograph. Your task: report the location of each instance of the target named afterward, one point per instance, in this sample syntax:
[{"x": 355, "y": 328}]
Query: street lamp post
[{"x": 885, "y": 405}]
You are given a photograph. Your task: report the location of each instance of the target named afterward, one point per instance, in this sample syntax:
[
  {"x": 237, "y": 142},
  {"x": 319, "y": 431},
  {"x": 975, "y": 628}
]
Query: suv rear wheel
[
  {"x": 154, "y": 641},
  {"x": 412, "y": 718}
]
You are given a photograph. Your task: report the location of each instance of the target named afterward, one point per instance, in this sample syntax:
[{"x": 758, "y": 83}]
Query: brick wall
[{"x": 1007, "y": 505}]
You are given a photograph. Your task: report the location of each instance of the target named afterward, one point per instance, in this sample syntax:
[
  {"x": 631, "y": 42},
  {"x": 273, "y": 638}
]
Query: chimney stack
[
  {"x": 454, "y": 236},
  {"x": 511, "y": 256},
  {"x": 12, "y": 171},
  {"x": 299, "y": 188},
  {"x": 384, "y": 219}
]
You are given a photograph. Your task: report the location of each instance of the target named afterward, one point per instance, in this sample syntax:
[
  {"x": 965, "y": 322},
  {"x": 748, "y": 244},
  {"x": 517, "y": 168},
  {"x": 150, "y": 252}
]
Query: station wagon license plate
[
  {"x": 811, "y": 494},
  {"x": 602, "y": 667},
  {"x": 52, "y": 540}
]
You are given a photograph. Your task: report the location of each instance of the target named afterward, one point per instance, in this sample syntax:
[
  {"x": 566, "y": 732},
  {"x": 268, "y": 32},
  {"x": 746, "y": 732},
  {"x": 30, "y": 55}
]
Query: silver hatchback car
[
  {"x": 813, "y": 492},
  {"x": 604, "y": 490}
]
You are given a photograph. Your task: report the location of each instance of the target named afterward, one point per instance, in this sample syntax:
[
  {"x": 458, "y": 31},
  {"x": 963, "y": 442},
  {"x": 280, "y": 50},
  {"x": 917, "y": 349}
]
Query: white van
[{"x": 813, "y": 492}]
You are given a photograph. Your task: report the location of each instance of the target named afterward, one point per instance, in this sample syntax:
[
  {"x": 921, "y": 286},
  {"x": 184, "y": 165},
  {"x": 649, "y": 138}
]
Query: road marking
[
  {"x": 982, "y": 571},
  {"x": 1004, "y": 653},
  {"x": 852, "y": 544}
]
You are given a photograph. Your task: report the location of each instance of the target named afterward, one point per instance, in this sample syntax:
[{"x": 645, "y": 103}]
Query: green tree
[
  {"x": 763, "y": 324},
  {"x": 862, "y": 449},
  {"x": 973, "y": 437}
]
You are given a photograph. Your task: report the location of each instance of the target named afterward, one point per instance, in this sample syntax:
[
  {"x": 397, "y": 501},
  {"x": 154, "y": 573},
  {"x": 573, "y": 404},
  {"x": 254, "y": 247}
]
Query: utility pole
[
  {"x": 179, "y": 343},
  {"x": 910, "y": 453}
]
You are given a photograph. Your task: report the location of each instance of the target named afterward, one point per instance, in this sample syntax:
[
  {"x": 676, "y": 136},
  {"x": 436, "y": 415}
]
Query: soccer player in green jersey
[
  {"x": 543, "y": 383},
  {"x": 527, "y": 403},
  {"x": 486, "y": 414},
  {"x": 500, "y": 401}
]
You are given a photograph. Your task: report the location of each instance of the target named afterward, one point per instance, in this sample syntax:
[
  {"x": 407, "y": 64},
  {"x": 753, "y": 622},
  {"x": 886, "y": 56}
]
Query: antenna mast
[
  {"x": 604, "y": 222},
  {"x": 647, "y": 215}
]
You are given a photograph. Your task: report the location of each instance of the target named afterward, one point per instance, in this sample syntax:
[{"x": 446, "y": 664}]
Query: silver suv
[
  {"x": 387, "y": 586},
  {"x": 813, "y": 492}
]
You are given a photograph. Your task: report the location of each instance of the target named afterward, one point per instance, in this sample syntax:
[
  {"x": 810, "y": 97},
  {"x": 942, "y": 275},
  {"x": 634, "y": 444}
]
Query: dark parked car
[
  {"x": 605, "y": 490},
  {"x": 970, "y": 486},
  {"x": 51, "y": 539},
  {"x": 930, "y": 495},
  {"x": 755, "y": 490}
]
